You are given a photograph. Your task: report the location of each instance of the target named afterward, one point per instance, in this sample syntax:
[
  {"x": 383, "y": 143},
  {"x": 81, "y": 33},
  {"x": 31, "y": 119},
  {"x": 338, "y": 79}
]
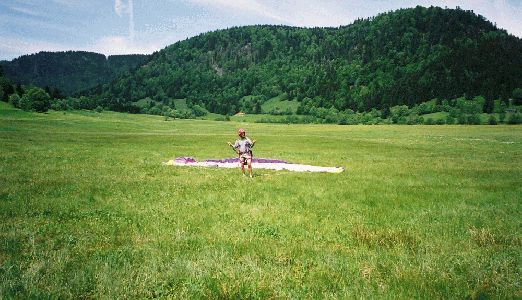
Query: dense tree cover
[
  {"x": 6, "y": 86},
  {"x": 434, "y": 112},
  {"x": 517, "y": 96},
  {"x": 33, "y": 99},
  {"x": 69, "y": 72},
  {"x": 403, "y": 57}
]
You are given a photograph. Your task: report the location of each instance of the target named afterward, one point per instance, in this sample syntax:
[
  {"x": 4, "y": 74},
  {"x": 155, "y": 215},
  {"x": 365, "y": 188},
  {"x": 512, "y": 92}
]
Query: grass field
[
  {"x": 483, "y": 117},
  {"x": 87, "y": 210}
]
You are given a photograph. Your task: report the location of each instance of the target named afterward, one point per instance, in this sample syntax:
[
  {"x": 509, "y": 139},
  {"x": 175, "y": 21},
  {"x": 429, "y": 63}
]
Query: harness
[
  {"x": 239, "y": 153},
  {"x": 249, "y": 152}
]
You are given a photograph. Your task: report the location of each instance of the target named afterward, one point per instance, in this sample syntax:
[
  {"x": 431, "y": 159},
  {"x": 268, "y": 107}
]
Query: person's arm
[
  {"x": 234, "y": 147},
  {"x": 253, "y": 143}
]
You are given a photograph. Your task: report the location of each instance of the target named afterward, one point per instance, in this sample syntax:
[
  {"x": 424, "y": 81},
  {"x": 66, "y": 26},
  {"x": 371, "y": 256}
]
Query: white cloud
[
  {"x": 111, "y": 45},
  {"x": 72, "y": 3},
  {"x": 206, "y": 15},
  {"x": 119, "y": 7},
  {"x": 501, "y": 12},
  {"x": 27, "y": 11},
  {"x": 241, "y": 6},
  {"x": 127, "y": 8},
  {"x": 14, "y": 47},
  {"x": 305, "y": 13},
  {"x": 309, "y": 13}
]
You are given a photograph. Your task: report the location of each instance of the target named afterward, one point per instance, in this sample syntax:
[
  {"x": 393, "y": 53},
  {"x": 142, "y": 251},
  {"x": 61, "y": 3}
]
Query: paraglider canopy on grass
[{"x": 257, "y": 163}]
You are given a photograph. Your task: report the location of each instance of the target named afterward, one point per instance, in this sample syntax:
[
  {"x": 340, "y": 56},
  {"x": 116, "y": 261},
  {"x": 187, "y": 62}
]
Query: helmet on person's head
[{"x": 241, "y": 132}]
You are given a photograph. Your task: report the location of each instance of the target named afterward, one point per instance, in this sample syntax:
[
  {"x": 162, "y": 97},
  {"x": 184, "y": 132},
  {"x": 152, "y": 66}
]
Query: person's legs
[
  {"x": 249, "y": 161},
  {"x": 242, "y": 163}
]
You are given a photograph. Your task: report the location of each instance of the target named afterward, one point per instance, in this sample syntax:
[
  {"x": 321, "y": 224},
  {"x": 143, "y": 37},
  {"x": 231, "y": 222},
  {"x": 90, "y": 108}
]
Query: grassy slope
[
  {"x": 277, "y": 103},
  {"x": 178, "y": 103},
  {"x": 483, "y": 117},
  {"x": 256, "y": 118},
  {"x": 87, "y": 210},
  {"x": 436, "y": 116}
]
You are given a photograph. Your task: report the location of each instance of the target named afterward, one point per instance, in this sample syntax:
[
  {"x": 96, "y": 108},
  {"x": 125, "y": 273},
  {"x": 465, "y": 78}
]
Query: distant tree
[
  {"x": 70, "y": 71},
  {"x": 6, "y": 88},
  {"x": 35, "y": 99},
  {"x": 474, "y": 106},
  {"x": 399, "y": 112},
  {"x": 415, "y": 119},
  {"x": 86, "y": 102},
  {"x": 343, "y": 119},
  {"x": 462, "y": 119},
  {"x": 497, "y": 106},
  {"x": 514, "y": 119},
  {"x": 156, "y": 110},
  {"x": 473, "y": 119},
  {"x": 445, "y": 106},
  {"x": 385, "y": 111},
  {"x": 492, "y": 120},
  {"x": 517, "y": 96},
  {"x": 503, "y": 106},
  {"x": 198, "y": 110},
  {"x": 56, "y": 94},
  {"x": 19, "y": 89},
  {"x": 402, "y": 121},
  {"x": 429, "y": 121},
  {"x": 488, "y": 106},
  {"x": 480, "y": 103},
  {"x": 454, "y": 112},
  {"x": 440, "y": 122},
  {"x": 59, "y": 105},
  {"x": 426, "y": 107},
  {"x": 14, "y": 99},
  {"x": 502, "y": 117},
  {"x": 257, "y": 107}
]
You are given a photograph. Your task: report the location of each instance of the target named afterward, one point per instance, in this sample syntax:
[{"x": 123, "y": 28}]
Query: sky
[{"x": 144, "y": 26}]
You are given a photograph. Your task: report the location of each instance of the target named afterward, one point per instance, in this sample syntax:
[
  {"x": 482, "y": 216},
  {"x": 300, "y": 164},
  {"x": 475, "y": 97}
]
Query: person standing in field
[{"x": 243, "y": 147}]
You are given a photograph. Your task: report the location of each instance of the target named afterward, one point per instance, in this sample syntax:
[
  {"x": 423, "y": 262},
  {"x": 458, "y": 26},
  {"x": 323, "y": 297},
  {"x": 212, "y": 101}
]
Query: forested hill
[
  {"x": 402, "y": 57},
  {"x": 71, "y": 71}
]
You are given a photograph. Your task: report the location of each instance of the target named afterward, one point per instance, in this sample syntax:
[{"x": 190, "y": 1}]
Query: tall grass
[{"x": 87, "y": 210}]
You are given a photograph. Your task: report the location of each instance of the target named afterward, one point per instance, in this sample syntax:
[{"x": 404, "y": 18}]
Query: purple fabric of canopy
[
  {"x": 188, "y": 160},
  {"x": 254, "y": 160},
  {"x": 259, "y": 163},
  {"x": 185, "y": 160}
]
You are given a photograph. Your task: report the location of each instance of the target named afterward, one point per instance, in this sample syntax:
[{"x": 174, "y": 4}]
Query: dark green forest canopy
[
  {"x": 403, "y": 57},
  {"x": 72, "y": 71}
]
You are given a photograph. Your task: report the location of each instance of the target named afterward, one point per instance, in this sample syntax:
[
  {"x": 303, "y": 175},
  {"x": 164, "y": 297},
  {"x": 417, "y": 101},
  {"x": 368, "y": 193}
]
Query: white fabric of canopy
[{"x": 271, "y": 166}]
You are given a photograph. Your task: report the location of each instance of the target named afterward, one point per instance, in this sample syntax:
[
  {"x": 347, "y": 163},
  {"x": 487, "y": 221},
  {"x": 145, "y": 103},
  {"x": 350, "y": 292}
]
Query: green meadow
[{"x": 87, "y": 210}]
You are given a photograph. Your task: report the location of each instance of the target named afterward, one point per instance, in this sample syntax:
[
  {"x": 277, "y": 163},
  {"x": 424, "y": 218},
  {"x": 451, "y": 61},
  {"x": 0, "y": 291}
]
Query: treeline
[
  {"x": 461, "y": 110},
  {"x": 69, "y": 72},
  {"x": 404, "y": 57},
  {"x": 31, "y": 98},
  {"x": 455, "y": 111}
]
